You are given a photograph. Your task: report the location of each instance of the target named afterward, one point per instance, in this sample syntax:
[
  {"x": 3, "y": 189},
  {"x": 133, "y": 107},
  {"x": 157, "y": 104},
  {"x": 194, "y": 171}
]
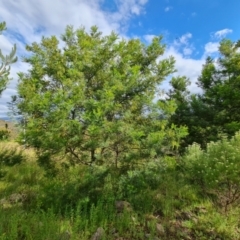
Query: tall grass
[{"x": 77, "y": 200}]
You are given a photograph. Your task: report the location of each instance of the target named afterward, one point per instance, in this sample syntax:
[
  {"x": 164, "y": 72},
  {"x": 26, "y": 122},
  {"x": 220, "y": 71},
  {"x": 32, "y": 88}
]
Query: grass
[
  {"x": 77, "y": 201},
  {"x": 10, "y": 127}
]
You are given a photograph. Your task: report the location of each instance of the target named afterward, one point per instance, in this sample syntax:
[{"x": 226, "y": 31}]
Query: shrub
[
  {"x": 4, "y": 134},
  {"x": 217, "y": 170},
  {"x": 10, "y": 157}
]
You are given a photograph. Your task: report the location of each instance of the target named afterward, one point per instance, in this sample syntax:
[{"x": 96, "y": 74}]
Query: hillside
[{"x": 11, "y": 127}]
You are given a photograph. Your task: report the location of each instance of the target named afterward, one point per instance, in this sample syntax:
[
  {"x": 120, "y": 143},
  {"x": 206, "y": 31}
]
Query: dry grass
[
  {"x": 29, "y": 153},
  {"x": 14, "y": 131}
]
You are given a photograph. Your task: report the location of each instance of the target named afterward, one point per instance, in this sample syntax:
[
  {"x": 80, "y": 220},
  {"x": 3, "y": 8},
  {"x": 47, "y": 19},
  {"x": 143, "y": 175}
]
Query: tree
[
  {"x": 93, "y": 99},
  {"x": 5, "y": 62},
  {"x": 191, "y": 112},
  {"x": 180, "y": 94},
  {"x": 216, "y": 110},
  {"x": 220, "y": 82}
]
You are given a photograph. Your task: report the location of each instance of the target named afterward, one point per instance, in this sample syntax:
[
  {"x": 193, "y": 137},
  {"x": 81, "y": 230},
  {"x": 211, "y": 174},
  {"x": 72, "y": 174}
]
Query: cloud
[
  {"x": 182, "y": 44},
  {"x": 181, "y": 49},
  {"x": 167, "y": 9},
  {"x": 188, "y": 67},
  {"x": 137, "y": 6},
  {"x": 30, "y": 16},
  {"x": 184, "y": 38},
  {"x": 211, "y": 47},
  {"x": 28, "y": 21},
  {"x": 6, "y": 45},
  {"x": 222, "y": 33},
  {"x": 149, "y": 37},
  {"x": 187, "y": 51}
]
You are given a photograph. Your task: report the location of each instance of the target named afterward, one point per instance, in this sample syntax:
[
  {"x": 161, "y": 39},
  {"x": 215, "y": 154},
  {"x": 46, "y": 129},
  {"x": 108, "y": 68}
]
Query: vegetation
[
  {"x": 104, "y": 159},
  {"x": 93, "y": 100},
  {"x": 5, "y": 62},
  {"x": 215, "y": 111}
]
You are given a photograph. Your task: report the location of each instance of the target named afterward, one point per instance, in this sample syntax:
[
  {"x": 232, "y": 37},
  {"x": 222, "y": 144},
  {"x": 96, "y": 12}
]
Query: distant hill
[{"x": 5, "y": 119}]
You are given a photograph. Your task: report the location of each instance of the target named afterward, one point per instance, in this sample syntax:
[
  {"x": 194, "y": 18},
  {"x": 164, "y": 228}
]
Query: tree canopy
[
  {"x": 95, "y": 98},
  {"x": 216, "y": 110}
]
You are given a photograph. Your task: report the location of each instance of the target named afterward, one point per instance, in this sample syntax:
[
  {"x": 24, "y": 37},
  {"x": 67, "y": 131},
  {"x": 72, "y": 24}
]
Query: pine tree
[
  {"x": 5, "y": 62},
  {"x": 216, "y": 110},
  {"x": 93, "y": 100}
]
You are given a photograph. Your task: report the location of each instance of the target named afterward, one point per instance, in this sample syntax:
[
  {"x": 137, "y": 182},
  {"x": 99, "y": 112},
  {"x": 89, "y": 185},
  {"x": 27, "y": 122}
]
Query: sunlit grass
[
  {"x": 29, "y": 153},
  {"x": 77, "y": 200}
]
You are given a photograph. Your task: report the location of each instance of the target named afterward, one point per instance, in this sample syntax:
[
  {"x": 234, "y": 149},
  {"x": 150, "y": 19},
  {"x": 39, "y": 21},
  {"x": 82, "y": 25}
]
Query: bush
[
  {"x": 9, "y": 158},
  {"x": 4, "y": 134},
  {"x": 139, "y": 180},
  {"x": 217, "y": 170}
]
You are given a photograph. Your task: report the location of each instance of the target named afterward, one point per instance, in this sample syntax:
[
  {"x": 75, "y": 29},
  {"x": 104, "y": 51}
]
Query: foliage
[
  {"x": 9, "y": 158},
  {"x": 64, "y": 206},
  {"x": 221, "y": 87},
  {"x": 77, "y": 200},
  {"x": 180, "y": 94},
  {"x": 93, "y": 99},
  {"x": 4, "y": 134},
  {"x": 93, "y": 102},
  {"x": 217, "y": 170},
  {"x": 139, "y": 185},
  {"x": 136, "y": 181},
  {"x": 5, "y": 62},
  {"x": 216, "y": 109}
]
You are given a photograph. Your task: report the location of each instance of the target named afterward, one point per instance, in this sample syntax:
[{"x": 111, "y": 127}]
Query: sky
[{"x": 191, "y": 29}]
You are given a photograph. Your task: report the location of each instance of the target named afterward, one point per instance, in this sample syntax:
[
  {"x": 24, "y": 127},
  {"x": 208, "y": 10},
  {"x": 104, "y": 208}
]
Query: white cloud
[
  {"x": 182, "y": 44},
  {"x": 211, "y": 47},
  {"x": 181, "y": 49},
  {"x": 6, "y": 45},
  {"x": 184, "y": 38},
  {"x": 167, "y": 9},
  {"x": 187, "y": 51},
  {"x": 28, "y": 20},
  {"x": 222, "y": 33},
  {"x": 127, "y": 8},
  {"x": 53, "y": 16},
  {"x": 149, "y": 37},
  {"x": 188, "y": 67}
]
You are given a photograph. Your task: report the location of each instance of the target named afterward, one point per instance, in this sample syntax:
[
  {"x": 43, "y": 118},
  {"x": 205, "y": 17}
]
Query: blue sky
[{"x": 192, "y": 29}]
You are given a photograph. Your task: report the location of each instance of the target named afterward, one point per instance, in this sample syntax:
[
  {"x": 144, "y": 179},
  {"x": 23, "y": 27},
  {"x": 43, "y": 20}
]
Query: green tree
[
  {"x": 221, "y": 85},
  {"x": 180, "y": 94},
  {"x": 5, "y": 62},
  {"x": 216, "y": 110},
  {"x": 195, "y": 114},
  {"x": 93, "y": 99}
]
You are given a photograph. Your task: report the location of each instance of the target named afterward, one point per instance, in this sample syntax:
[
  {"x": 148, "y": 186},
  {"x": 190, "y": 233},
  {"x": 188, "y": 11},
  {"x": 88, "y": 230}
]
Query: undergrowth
[{"x": 163, "y": 200}]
